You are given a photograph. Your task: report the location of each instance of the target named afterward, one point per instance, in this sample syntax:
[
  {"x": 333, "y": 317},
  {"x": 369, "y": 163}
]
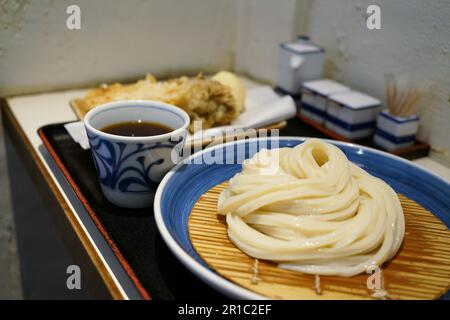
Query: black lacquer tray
[{"x": 132, "y": 233}]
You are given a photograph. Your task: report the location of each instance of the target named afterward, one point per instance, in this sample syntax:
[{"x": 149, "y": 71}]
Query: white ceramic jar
[
  {"x": 298, "y": 62},
  {"x": 315, "y": 96},
  {"x": 352, "y": 115}
]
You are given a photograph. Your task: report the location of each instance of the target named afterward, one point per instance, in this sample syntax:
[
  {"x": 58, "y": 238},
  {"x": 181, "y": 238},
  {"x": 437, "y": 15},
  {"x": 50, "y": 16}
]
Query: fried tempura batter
[{"x": 208, "y": 100}]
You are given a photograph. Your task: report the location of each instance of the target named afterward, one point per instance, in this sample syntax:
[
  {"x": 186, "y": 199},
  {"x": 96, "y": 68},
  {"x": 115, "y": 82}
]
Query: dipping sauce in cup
[
  {"x": 137, "y": 129},
  {"x": 134, "y": 144}
]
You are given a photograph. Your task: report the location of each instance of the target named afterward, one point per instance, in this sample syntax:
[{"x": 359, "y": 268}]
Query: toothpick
[
  {"x": 255, "y": 268},
  {"x": 394, "y": 98},
  {"x": 404, "y": 103},
  {"x": 317, "y": 285},
  {"x": 390, "y": 103}
]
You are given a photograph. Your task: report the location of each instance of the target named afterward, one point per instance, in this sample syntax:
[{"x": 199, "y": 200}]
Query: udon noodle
[{"x": 311, "y": 210}]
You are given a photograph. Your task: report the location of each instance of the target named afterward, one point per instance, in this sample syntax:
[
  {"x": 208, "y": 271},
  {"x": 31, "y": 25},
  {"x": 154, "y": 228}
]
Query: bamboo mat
[{"x": 420, "y": 270}]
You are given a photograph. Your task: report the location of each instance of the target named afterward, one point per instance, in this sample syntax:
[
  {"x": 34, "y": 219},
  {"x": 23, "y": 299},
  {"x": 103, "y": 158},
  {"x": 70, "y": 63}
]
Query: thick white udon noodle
[{"x": 311, "y": 210}]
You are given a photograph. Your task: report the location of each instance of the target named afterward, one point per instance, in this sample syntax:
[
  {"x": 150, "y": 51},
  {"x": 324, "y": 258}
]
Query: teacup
[{"x": 129, "y": 168}]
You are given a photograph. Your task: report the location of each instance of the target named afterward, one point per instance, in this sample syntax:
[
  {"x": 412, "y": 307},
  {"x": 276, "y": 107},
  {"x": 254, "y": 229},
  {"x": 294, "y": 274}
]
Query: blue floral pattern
[{"x": 124, "y": 166}]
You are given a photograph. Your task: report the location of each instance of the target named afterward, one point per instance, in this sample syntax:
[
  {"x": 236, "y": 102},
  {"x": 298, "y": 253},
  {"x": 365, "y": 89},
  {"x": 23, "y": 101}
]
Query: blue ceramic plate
[{"x": 185, "y": 183}]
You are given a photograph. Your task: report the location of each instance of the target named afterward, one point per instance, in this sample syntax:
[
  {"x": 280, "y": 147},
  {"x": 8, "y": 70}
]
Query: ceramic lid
[
  {"x": 301, "y": 47},
  {"x": 325, "y": 87},
  {"x": 355, "y": 100}
]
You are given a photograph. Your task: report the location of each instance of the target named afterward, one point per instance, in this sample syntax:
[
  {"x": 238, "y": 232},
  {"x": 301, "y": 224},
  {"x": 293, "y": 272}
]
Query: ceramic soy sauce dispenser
[{"x": 299, "y": 61}]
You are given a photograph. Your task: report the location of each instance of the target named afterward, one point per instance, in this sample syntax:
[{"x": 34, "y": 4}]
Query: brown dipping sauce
[{"x": 137, "y": 129}]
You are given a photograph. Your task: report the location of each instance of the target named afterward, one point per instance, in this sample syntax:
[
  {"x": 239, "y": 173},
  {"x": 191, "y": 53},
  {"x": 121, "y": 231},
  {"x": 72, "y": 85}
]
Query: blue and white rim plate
[{"x": 185, "y": 183}]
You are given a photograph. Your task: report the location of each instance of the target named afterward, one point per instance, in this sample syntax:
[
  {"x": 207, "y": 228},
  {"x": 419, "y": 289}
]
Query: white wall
[
  {"x": 121, "y": 40},
  {"x": 414, "y": 40},
  {"x": 261, "y": 26},
  {"x": 124, "y": 39},
  {"x": 117, "y": 40}
]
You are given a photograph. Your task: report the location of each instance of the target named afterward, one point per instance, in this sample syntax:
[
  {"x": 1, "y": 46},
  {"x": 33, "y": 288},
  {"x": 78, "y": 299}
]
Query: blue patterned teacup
[{"x": 130, "y": 168}]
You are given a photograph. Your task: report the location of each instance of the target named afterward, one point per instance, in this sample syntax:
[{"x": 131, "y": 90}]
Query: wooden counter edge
[{"x": 33, "y": 161}]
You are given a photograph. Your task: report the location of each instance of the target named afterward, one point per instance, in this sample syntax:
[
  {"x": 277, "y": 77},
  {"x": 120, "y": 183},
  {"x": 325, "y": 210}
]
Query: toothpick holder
[{"x": 394, "y": 132}]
